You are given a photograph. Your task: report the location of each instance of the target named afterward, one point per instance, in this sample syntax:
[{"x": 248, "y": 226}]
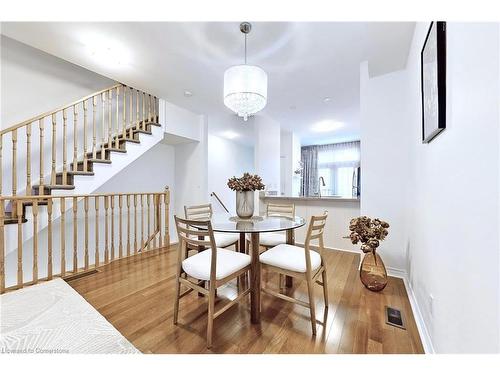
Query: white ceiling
[{"x": 305, "y": 62}]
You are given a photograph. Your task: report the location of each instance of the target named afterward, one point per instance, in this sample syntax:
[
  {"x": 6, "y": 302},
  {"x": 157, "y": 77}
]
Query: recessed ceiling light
[
  {"x": 106, "y": 51},
  {"x": 188, "y": 93},
  {"x": 326, "y": 126},
  {"x": 327, "y": 99},
  {"x": 230, "y": 134}
]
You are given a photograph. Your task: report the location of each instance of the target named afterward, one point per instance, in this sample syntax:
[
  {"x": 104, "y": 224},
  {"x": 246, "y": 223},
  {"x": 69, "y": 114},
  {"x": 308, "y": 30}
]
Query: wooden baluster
[
  {"x": 2, "y": 244},
  {"x": 49, "y": 239},
  {"x": 148, "y": 200},
  {"x": 143, "y": 109},
  {"x": 35, "y": 240},
  {"x": 65, "y": 146},
  {"x": 103, "y": 152},
  {"x": 41, "y": 126},
  {"x": 28, "y": 159},
  {"x": 158, "y": 216},
  {"x": 137, "y": 111},
  {"x": 75, "y": 235},
  {"x": 143, "y": 243},
  {"x": 94, "y": 127},
  {"x": 1, "y": 163},
  {"x": 128, "y": 225},
  {"x": 117, "y": 139},
  {"x": 112, "y": 204},
  {"x": 106, "y": 230},
  {"x": 167, "y": 218},
  {"x": 85, "y": 119},
  {"x": 110, "y": 122},
  {"x": 53, "y": 173},
  {"x": 14, "y": 162},
  {"x": 135, "y": 223},
  {"x": 75, "y": 138},
  {"x": 149, "y": 107},
  {"x": 19, "y": 205},
  {"x": 86, "y": 245},
  {"x": 120, "y": 219},
  {"x": 130, "y": 116},
  {"x": 124, "y": 124},
  {"x": 155, "y": 110},
  {"x": 63, "y": 236},
  {"x": 96, "y": 201}
]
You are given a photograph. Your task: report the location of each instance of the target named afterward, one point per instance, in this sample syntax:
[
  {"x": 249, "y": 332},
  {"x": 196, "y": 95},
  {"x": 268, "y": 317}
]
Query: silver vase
[{"x": 244, "y": 204}]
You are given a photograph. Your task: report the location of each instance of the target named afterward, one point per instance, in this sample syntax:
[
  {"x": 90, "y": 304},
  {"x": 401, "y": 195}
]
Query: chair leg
[
  {"x": 177, "y": 293},
  {"x": 211, "y": 307},
  {"x": 325, "y": 288},
  {"x": 312, "y": 305}
]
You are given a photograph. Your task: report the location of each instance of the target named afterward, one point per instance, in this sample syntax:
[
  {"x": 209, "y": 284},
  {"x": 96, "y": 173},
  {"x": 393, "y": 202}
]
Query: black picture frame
[{"x": 433, "y": 81}]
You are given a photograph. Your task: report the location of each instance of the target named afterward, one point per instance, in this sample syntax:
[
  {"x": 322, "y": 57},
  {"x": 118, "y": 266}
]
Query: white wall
[
  {"x": 225, "y": 160},
  {"x": 454, "y": 242},
  {"x": 385, "y": 158},
  {"x": 191, "y": 171},
  {"x": 441, "y": 199},
  {"x": 267, "y": 151},
  {"x": 34, "y": 82}
]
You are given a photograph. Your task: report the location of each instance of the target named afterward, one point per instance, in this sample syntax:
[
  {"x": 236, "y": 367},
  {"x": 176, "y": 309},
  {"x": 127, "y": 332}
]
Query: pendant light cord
[{"x": 245, "y": 49}]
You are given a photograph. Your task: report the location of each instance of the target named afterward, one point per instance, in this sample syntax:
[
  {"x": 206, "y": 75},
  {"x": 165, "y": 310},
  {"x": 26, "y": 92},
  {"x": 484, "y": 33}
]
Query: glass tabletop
[{"x": 234, "y": 224}]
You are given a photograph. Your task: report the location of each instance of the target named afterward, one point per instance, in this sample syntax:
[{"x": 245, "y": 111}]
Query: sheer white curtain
[{"x": 336, "y": 164}]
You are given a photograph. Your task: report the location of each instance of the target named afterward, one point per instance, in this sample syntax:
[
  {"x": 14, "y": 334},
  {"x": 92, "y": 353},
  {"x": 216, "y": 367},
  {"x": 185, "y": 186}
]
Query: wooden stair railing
[
  {"x": 79, "y": 244},
  {"x": 100, "y": 123}
]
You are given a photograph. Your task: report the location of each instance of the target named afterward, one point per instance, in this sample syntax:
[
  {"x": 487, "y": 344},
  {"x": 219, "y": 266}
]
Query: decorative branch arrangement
[
  {"x": 368, "y": 231},
  {"x": 247, "y": 182}
]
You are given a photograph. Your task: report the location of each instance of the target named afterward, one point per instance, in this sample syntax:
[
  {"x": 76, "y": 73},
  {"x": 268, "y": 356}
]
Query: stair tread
[
  {"x": 61, "y": 187},
  {"x": 106, "y": 161},
  {"x": 83, "y": 173}
]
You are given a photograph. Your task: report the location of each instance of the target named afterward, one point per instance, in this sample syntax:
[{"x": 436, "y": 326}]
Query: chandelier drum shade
[
  {"x": 245, "y": 86},
  {"x": 245, "y": 89}
]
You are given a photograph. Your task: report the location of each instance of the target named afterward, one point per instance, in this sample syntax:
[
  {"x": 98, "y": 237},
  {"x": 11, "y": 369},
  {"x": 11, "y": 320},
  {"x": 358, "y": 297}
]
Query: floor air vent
[{"x": 394, "y": 317}]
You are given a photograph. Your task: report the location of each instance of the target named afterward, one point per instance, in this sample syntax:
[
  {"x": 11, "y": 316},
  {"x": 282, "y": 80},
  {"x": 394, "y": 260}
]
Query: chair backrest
[
  {"x": 281, "y": 210},
  {"x": 197, "y": 233},
  {"x": 315, "y": 231},
  {"x": 200, "y": 212}
]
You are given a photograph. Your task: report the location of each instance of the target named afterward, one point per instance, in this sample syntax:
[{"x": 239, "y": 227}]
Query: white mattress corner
[{"x": 51, "y": 317}]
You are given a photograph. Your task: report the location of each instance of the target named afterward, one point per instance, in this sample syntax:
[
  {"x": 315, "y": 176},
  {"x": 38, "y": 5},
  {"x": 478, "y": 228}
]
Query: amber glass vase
[{"x": 372, "y": 272}]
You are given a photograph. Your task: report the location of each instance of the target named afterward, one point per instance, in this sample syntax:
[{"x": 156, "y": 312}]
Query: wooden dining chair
[
  {"x": 301, "y": 263},
  {"x": 271, "y": 239},
  {"x": 205, "y": 212},
  {"x": 214, "y": 265}
]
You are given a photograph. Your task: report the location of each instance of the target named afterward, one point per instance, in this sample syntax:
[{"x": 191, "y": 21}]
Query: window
[{"x": 337, "y": 164}]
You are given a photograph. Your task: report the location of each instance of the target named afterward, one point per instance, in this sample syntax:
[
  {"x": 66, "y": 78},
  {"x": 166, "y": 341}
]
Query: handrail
[
  {"x": 49, "y": 113},
  {"x": 78, "y": 134},
  {"x": 219, "y": 200}
]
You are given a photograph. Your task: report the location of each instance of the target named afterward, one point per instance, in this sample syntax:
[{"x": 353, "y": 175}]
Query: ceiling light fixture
[
  {"x": 188, "y": 93},
  {"x": 230, "y": 134},
  {"x": 245, "y": 86},
  {"x": 326, "y": 126},
  {"x": 327, "y": 99}
]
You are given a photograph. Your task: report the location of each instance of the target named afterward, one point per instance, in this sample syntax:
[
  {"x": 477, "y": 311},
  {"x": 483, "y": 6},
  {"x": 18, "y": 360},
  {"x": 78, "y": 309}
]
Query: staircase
[{"x": 99, "y": 125}]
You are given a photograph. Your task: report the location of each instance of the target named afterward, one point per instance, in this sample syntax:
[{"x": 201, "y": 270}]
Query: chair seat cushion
[
  {"x": 228, "y": 262},
  {"x": 225, "y": 239},
  {"x": 272, "y": 239},
  {"x": 289, "y": 257}
]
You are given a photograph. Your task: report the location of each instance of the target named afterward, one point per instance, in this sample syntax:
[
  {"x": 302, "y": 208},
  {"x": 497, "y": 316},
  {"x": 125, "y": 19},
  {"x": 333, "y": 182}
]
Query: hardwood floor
[{"x": 136, "y": 295}]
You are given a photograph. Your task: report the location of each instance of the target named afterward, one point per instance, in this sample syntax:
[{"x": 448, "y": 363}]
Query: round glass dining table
[{"x": 227, "y": 223}]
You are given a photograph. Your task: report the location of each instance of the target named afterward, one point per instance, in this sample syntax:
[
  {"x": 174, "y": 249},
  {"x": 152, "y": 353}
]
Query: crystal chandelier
[{"x": 245, "y": 86}]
